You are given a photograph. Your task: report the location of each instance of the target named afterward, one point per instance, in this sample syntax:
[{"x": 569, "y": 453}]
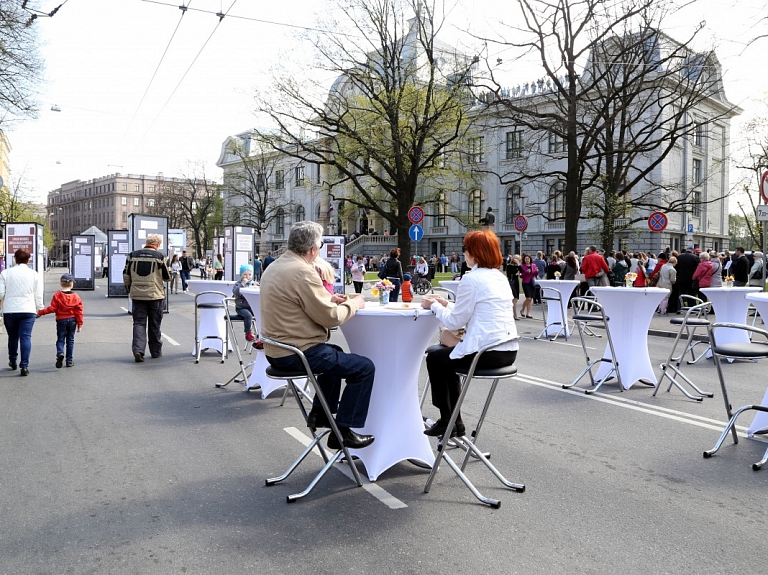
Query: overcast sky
[{"x": 101, "y": 57}]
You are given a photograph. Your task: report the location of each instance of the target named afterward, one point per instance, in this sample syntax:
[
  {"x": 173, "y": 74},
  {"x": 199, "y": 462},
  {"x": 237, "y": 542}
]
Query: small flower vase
[
  {"x": 628, "y": 283},
  {"x": 383, "y": 297},
  {"x": 728, "y": 285}
]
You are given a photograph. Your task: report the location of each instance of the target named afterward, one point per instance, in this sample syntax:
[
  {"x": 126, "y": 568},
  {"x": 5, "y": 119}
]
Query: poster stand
[
  {"x": 83, "y": 257},
  {"x": 238, "y": 250}
]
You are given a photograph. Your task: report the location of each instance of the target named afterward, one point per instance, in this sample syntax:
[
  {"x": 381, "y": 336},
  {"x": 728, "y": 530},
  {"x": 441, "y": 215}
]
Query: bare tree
[
  {"x": 617, "y": 98},
  {"x": 392, "y": 119},
  {"x": 256, "y": 186},
  {"x": 753, "y": 163},
  {"x": 20, "y": 65}
]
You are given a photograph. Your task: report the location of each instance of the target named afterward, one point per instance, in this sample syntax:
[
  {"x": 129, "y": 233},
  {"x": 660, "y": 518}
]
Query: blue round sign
[
  {"x": 521, "y": 223},
  {"x": 657, "y": 221},
  {"x": 415, "y": 214},
  {"x": 415, "y": 232}
]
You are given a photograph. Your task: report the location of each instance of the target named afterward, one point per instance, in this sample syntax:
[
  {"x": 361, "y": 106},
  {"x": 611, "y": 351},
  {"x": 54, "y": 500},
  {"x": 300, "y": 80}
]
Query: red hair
[{"x": 484, "y": 247}]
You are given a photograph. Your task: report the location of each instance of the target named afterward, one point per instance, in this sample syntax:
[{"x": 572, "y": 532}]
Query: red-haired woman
[{"x": 482, "y": 308}]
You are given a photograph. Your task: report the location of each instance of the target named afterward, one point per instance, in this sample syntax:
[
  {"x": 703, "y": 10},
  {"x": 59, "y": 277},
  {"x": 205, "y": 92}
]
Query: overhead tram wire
[
  {"x": 221, "y": 18},
  {"x": 162, "y": 58}
]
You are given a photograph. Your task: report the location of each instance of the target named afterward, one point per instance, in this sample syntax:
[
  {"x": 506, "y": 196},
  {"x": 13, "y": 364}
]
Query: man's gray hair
[
  {"x": 303, "y": 236},
  {"x": 154, "y": 240}
]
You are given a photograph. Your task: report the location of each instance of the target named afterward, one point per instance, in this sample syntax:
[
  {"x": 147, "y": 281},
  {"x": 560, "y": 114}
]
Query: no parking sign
[{"x": 657, "y": 221}]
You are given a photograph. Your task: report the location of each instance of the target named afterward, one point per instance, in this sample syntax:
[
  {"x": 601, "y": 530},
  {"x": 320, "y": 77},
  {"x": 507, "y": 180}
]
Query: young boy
[
  {"x": 406, "y": 290},
  {"x": 241, "y": 304},
  {"x": 68, "y": 308}
]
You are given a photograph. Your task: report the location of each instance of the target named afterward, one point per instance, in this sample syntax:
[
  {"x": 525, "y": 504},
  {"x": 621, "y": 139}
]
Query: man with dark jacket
[
  {"x": 686, "y": 267},
  {"x": 187, "y": 263},
  {"x": 740, "y": 268},
  {"x": 144, "y": 275}
]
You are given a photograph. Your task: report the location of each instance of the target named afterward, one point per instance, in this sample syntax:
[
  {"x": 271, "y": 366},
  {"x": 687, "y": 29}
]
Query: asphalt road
[{"x": 117, "y": 467}]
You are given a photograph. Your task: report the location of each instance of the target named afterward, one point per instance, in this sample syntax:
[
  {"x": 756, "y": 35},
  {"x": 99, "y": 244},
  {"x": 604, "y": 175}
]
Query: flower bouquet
[
  {"x": 728, "y": 281},
  {"x": 381, "y": 290},
  {"x": 630, "y": 278},
  {"x": 557, "y": 276}
]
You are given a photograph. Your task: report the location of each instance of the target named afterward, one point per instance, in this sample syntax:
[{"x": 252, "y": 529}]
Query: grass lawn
[{"x": 373, "y": 276}]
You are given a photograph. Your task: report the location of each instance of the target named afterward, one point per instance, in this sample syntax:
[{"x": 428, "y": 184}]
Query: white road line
[
  {"x": 170, "y": 340},
  {"x": 379, "y": 493},
  {"x": 125, "y": 309},
  {"x": 666, "y": 413}
]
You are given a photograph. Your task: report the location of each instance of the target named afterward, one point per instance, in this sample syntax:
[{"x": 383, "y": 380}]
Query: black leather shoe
[
  {"x": 156, "y": 355},
  {"x": 70, "y": 364},
  {"x": 351, "y": 439},
  {"x": 12, "y": 364},
  {"x": 138, "y": 357},
  {"x": 438, "y": 430},
  {"x": 24, "y": 371},
  {"x": 59, "y": 361},
  {"x": 317, "y": 419}
]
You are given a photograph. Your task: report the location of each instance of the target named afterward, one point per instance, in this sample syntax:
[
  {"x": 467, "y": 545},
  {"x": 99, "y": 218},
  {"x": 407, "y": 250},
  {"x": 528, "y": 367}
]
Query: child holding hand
[{"x": 68, "y": 308}]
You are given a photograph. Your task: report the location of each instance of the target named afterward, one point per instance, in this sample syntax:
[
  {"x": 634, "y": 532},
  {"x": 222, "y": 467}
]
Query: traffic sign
[
  {"x": 764, "y": 186},
  {"x": 690, "y": 228},
  {"x": 415, "y": 232},
  {"x": 415, "y": 214},
  {"x": 657, "y": 221},
  {"x": 762, "y": 213},
  {"x": 521, "y": 223}
]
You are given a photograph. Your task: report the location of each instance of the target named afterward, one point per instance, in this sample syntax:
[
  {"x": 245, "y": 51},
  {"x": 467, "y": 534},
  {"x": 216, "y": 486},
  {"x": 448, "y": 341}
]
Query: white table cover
[
  {"x": 452, "y": 285},
  {"x": 629, "y": 312},
  {"x": 730, "y": 305},
  {"x": 394, "y": 338},
  {"x": 258, "y": 373},
  {"x": 556, "y": 313},
  {"x": 760, "y": 301},
  {"x": 212, "y": 324}
]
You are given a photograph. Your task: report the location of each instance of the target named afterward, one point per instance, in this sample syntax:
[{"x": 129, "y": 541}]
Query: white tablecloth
[
  {"x": 555, "y": 312},
  {"x": 258, "y": 373},
  {"x": 629, "y": 312},
  {"x": 452, "y": 285},
  {"x": 394, "y": 338},
  {"x": 212, "y": 324},
  {"x": 730, "y": 305},
  {"x": 760, "y": 301}
]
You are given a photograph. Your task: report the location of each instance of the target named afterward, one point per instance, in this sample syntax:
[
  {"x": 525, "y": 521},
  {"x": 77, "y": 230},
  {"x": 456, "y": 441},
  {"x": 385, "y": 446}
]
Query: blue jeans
[
  {"x": 19, "y": 327},
  {"x": 395, "y": 293},
  {"x": 247, "y": 315},
  {"x": 185, "y": 277},
  {"x": 65, "y": 332},
  {"x": 333, "y": 364}
]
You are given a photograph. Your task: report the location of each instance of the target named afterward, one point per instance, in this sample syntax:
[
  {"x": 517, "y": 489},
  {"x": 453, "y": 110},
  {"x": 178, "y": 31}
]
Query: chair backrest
[
  {"x": 696, "y": 311},
  {"x": 551, "y": 293},
  {"x": 688, "y": 301},
  {"x": 450, "y": 293},
  {"x": 750, "y": 349},
  {"x": 210, "y": 298},
  {"x": 489, "y": 347},
  {"x": 588, "y": 309}
]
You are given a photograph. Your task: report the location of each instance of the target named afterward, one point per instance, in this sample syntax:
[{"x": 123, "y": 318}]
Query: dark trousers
[
  {"x": 247, "y": 315},
  {"x": 147, "y": 317},
  {"x": 65, "y": 337},
  {"x": 358, "y": 287},
  {"x": 395, "y": 293},
  {"x": 19, "y": 327},
  {"x": 444, "y": 380},
  {"x": 330, "y": 361},
  {"x": 185, "y": 277}
]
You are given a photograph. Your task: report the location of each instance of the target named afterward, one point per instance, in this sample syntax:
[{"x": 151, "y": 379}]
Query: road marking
[
  {"x": 378, "y": 492},
  {"x": 658, "y": 411},
  {"x": 125, "y": 309},
  {"x": 170, "y": 340}
]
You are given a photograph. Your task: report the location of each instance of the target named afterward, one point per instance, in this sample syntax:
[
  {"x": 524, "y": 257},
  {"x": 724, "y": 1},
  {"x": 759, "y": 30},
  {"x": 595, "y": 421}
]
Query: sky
[{"x": 144, "y": 88}]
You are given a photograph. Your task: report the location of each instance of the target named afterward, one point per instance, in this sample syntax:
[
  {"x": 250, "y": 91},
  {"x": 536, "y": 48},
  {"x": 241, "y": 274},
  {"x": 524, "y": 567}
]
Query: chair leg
[
  {"x": 230, "y": 331},
  {"x": 726, "y": 399},
  {"x": 673, "y": 365},
  {"x": 759, "y": 465},
  {"x": 476, "y": 433}
]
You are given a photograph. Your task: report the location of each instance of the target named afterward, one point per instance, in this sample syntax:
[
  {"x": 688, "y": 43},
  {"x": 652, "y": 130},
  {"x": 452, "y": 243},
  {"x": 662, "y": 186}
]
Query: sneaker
[
  {"x": 70, "y": 364},
  {"x": 59, "y": 361},
  {"x": 258, "y": 345},
  {"x": 250, "y": 337},
  {"x": 138, "y": 357},
  {"x": 12, "y": 364}
]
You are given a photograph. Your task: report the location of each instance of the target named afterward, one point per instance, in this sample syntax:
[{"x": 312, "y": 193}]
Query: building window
[
  {"x": 125, "y": 216},
  {"x": 124, "y": 186},
  {"x": 300, "y": 214},
  {"x": 439, "y": 219},
  {"x": 696, "y": 203},
  {"x": 514, "y": 145},
  {"x": 280, "y": 222},
  {"x": 476, "y": 150},
  {"x": 151, "y": 189},
  {"x": 298, "y": 175},
  {"x": 557, "y": 201},
  {"x": 699, "y": 133},
  {"x": 260, "y": 184},
  {"x": 150, "y": 202},
  {"x": 475, "y": 207},
  {"x": 280, "y": 180},
  {"x": 697, "y": 175},
  {"x": 135, "y": 187},
  {"x": 556, "y": 143},
  {"x": 136, "y": 202},
  {"x": 123, "y": 201},
  {"x": 316, "y": 168},
  {"x": 513, "y": 204}
]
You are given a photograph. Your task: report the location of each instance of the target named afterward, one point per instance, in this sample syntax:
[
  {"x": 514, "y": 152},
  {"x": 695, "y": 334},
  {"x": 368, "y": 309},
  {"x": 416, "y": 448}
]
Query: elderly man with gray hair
[
  {"x": 756, "y": 271},
  {"x": 296, "y": 309},
  {"x": 144, "y": 275}
]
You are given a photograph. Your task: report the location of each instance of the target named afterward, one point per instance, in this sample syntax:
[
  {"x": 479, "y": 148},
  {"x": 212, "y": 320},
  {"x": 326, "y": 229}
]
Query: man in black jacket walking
[{"x": 187, "y": 263}]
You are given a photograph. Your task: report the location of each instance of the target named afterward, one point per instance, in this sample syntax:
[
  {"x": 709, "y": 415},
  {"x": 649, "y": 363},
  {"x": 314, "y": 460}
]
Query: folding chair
[
  {"x": 211, "y": 300},
  {"x": 694, "y": 317},
  {"x": 550, "y": 294},
  {"x": 229, "y": 319},
  {"x": 317, "y": 436},
  {"x": 234, "y": 317},
  {"x": 751, "y": 350},
  {"x": 586, "y": 313},
  {"x": 468, "y": 443}
]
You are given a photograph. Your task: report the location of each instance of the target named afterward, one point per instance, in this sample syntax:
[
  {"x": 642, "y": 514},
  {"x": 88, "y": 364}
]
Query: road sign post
[
  {"x": 415, "y": 232},
  {"x": 416, "y": 214}
]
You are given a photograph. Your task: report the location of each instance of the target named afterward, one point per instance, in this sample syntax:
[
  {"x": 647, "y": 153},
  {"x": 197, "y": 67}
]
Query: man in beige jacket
[{"x": 296, "y": 309}]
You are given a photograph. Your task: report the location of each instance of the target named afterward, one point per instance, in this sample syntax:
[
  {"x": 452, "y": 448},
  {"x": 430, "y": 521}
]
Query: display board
[
  {"x": 26, "y": 235},
  {"x": 83, "y": 257},
  {"x": 238, "y": 242},
  {"x": 333, "y": 253},
  {"x": 177, "y": 242},
  {"x": 139, "y": 227},
  {"x": 119, "y": 248}
]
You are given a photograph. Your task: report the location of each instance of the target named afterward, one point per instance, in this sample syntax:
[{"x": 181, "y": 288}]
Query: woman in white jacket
[
  {"x": 483, "y": 308},
  {"x": 21, "y": 295}
]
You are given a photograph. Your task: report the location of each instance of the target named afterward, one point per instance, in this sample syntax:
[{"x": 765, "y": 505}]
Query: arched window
[
  {"x": 513, "y": 205},
  {"x": 280, "y": 222},
  {"x": 300, "y": 214},
  {"x": 439, "y": 219},
  {"x": 317, "y": 212},
  {"x": 557, "y": 201},
  {"x": 475, "y": 207}
]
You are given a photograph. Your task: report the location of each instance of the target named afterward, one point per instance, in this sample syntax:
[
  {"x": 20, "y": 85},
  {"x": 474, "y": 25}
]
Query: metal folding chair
[
  {"x": 694, "y": 317},
  {"x": 317, "y": 435},
  {"x": 208, "y": 304},
  {"x": 468, "y": 443},
  {"x": 750, "y": 350},
  {"x": 586, "y": 313},
  {"x": 229, "y": 319},
  {"x": 550, "y": 294}
]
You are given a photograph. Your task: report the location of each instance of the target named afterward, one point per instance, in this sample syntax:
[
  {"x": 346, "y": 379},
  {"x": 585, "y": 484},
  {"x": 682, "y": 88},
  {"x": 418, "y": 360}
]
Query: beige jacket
[
  {"x": 295, "y": 307},
  {"x": 144, "y": 275}
]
